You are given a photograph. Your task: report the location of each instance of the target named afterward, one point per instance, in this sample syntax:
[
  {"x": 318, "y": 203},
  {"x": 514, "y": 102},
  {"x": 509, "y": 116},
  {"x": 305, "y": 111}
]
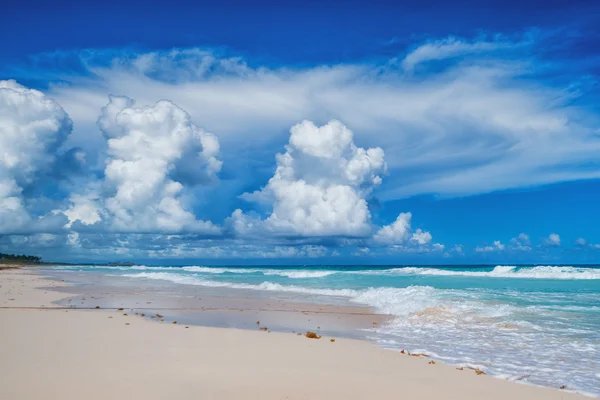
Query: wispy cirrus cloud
[
  {"x": 467, "y": 128},
  {"x": 452, "y": 47}
]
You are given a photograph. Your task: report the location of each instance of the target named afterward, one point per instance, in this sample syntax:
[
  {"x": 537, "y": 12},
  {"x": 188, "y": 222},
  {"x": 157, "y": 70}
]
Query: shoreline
[
  {"x": 346, "y": 368},
  {"x": 216, "y": 307}
]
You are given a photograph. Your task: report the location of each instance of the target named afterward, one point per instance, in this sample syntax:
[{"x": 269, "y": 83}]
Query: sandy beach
[{"x": 48, "y": 350}]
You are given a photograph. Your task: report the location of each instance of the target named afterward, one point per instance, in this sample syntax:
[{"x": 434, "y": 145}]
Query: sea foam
[{"x": 500, "y": 271}]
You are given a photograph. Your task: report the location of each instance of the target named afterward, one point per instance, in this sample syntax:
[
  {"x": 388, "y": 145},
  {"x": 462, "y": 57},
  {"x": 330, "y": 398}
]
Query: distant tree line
[{"x": 20, "y": 259}]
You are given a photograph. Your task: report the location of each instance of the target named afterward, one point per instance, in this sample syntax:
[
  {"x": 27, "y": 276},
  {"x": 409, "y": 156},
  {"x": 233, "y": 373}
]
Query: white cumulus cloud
[
  {"x": 152, "y": 152},
  {"x": 32, "y": 128},
  {"x": 399, "y": 232},
  {"x": 396, "y": 232},
  {"x": 521, "y": 242},
  {"x": 497, "y": 246},
  {"x": 553, "y": 240},
  {"x": 422, "y": 237},
  {"x": 320, "y": 185}
]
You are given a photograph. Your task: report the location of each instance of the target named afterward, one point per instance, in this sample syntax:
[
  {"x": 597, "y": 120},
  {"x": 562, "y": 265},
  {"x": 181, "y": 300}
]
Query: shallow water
[{"x": 534, "y": 324}]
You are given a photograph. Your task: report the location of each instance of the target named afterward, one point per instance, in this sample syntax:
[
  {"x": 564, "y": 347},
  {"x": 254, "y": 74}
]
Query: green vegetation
[{"x": 19, "y": 259}]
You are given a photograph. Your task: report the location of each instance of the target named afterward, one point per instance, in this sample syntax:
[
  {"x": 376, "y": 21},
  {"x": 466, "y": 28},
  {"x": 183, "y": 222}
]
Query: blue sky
[{"x": 315, "y": 132}]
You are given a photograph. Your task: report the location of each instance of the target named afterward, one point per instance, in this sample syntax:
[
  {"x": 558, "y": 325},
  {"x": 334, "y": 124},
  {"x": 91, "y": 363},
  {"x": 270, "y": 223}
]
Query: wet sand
[
  {"x": 49, "y": 349},
  {"x": 215, "y": 307}
]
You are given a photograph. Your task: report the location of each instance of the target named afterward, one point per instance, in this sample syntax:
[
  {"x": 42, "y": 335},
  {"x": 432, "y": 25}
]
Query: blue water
[{"x": 534, "y": 324}]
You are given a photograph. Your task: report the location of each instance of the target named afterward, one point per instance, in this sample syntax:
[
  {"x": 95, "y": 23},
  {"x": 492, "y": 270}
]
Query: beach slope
[{"x": 56, "y": 353}]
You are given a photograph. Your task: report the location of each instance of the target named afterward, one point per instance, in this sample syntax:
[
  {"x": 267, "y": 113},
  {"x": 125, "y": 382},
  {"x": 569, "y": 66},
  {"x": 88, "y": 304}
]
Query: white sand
[{"x": 75, "y": 354}]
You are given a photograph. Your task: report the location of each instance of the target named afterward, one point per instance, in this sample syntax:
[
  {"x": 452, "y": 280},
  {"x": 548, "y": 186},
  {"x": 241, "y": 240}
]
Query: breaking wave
[{"x": 500, "y": 271}]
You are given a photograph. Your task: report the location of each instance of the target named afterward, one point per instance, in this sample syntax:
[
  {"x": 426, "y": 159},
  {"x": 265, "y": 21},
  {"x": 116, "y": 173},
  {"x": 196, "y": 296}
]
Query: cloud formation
[
  {"x": 498, "y": 121},
  {"x": 521, "y": 242},
  {"x": 451, "y": 47},
  {"x": 399, "y": 232},
  {"x": 150, "y": 151},
  {"x": 453, "y": 117},
  {"x": 320, "y": 185},
  {"x": 320, "y": 188},
  {"x": 553, "y": 240},
  {"x": 497, "y": 246},
  {"x": 32, "y": 129}
]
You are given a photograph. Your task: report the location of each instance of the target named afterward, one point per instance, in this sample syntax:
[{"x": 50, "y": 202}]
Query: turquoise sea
[{"x": 533, "y": 324}]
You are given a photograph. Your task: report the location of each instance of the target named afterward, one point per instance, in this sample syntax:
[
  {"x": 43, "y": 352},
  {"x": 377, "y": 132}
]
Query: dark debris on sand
[{"x": 312, "y": 335}]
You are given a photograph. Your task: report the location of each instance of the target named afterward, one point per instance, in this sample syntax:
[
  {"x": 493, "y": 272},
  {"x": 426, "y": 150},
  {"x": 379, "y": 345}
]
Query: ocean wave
[
  {"x": 407, "y": 301},
  {"x": 500, "y": 271},
  {"x": 550, "y": 272},
  {"x": 300, "y": 274},
  {"x": 215, "y": 270},
  {"x": 269, "y": 286},
  {"x": 116, "y": 268},
  {"x": 294, "y": 274}
]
